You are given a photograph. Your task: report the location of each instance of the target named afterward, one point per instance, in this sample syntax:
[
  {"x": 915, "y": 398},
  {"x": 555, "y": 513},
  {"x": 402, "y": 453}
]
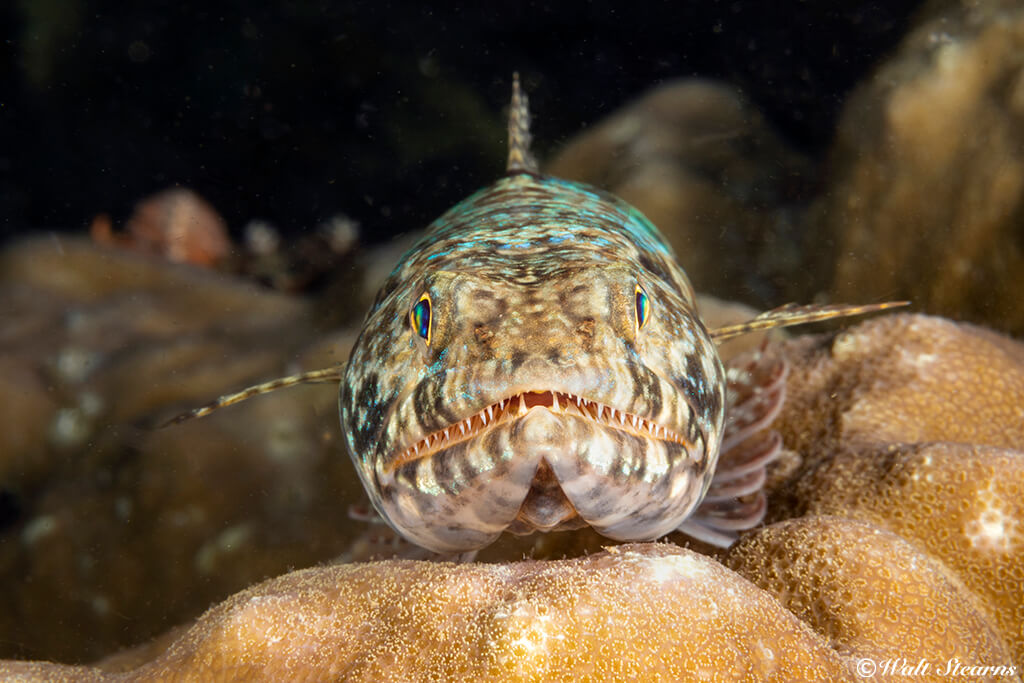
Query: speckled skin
[{"x": 533, "y": 288}]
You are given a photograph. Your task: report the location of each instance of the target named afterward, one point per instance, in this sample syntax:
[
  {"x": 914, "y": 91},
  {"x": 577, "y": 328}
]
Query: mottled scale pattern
[{"x": 533, "y": 286}]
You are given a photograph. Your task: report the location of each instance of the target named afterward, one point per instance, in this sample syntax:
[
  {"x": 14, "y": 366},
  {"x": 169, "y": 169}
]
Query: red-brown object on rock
[{"x": 176, "y": 224}]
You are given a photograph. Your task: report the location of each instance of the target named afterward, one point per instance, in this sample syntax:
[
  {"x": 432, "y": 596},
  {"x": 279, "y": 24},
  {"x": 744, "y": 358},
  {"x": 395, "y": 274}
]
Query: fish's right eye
[
  {"x": 643, "y": 307},
  {"x": 419, "y": 318}
]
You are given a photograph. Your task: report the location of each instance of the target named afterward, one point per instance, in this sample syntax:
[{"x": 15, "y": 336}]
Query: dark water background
[{"x": 388, "y": 112}]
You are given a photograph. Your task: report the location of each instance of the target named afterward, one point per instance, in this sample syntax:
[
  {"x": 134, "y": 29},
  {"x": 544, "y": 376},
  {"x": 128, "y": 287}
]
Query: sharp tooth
[
  {"x": 522, "y": 403},
  {"x": 445, "y": 433},
  {"x": 636, "y": 421},
  {"x": 554, "y": 401},
  {"x": 622, "y": 417},
  {"x": 501, "y": 403},
  {"x": 462, "y": 426},
  {"x": 488, "y": 412},
  {"x": 579, "y": 401},
  {"x": 600, "y": 409}
]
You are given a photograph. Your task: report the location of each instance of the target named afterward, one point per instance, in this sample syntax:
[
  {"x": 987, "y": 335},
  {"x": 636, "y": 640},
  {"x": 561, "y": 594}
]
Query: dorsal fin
[{"x": 520, "y": 160}]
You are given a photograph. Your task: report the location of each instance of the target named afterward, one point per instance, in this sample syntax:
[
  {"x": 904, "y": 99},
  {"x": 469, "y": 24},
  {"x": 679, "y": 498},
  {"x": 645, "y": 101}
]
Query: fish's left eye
[
  {"x": 643, "y": 307},
  {"x": 419, "y": 318}
]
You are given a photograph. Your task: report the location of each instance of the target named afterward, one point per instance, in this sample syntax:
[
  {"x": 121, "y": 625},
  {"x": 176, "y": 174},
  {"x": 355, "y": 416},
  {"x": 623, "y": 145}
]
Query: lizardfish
[{"x": 537, "y": 362}]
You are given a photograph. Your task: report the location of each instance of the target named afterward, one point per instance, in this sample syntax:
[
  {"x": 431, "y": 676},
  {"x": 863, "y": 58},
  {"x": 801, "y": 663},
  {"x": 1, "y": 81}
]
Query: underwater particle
[
  {"x": 75, "y": 363},
  {"x": 220, "y": 547},
  {"x": 287, "y": 440},
  {"x": 139, "y": 51},
  {"x": 39, "y": 528},
  {"x": 100, "y": 605},
  {"x": 261, "y": 238},
  {"x": 70, "y": 428},
  {"x": 123, "y": 507},
  {"x": 342, "y": 233}
]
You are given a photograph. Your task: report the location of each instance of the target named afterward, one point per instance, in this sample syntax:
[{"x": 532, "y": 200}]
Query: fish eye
[
  {"x": 419, "y": 317},
  {"x": 643, "y": 307}
]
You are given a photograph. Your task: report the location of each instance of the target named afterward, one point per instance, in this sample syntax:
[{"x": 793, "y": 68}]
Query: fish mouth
[{"x": 518, "y": 405}]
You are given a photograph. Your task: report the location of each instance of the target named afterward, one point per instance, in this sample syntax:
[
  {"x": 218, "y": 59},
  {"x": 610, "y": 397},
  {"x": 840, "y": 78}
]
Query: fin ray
[
  {"x": 795, "y": 314},
  {"x": 520, "y": 159},
  {"x": 313, "y": 376}
]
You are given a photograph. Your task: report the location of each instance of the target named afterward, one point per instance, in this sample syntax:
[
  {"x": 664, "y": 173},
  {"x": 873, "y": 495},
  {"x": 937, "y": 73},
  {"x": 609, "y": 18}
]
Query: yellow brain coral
[
  {"x": 906, "y": 379},
  {"x": 915, "y": 424},
  {"x": 873, "y": 594},
  {"x": 642, "y": 611}
]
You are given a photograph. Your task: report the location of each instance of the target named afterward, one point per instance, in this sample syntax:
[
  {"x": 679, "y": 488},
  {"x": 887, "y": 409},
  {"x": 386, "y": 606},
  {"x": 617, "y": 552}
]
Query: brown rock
[
  {"x": 928, "y": 191},
  {"x": 701, "y": 163},
  {"x": 111, "y": 531}
]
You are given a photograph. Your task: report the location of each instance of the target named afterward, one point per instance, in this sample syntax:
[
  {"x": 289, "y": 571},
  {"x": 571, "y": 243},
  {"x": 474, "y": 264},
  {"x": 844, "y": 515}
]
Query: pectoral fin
[{"x": 794, "y": 314}]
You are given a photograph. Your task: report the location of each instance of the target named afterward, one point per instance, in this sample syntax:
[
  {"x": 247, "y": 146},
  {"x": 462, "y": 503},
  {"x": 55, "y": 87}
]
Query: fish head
[{"x": 484, "y": 400}]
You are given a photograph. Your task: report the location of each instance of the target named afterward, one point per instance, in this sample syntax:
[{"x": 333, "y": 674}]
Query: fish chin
[{"x": 543, "y": 468}]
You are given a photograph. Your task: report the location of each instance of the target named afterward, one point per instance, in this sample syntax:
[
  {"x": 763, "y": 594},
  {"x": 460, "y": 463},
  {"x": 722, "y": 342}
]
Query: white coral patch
[
  {"x": 527, "y": 641},
  {"x": 674, "y": 568},
  {"x": 919, "y": 360},
  {"x": 994, "y": 529}
]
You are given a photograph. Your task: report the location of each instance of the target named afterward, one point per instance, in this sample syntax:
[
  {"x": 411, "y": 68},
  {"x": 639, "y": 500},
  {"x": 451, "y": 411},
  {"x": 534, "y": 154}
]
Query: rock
[
  {"x": 927, "y": 188},
  {"x": 107, "y": 522},
  {"x": 702, "y": 164}
]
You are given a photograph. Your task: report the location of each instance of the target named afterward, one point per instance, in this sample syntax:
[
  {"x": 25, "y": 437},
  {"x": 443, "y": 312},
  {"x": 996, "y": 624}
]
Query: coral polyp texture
[
  {"x": 896, "y": 541},
  {"x": 915, "y": 424},
  {"x": 634, "y": 611}
]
